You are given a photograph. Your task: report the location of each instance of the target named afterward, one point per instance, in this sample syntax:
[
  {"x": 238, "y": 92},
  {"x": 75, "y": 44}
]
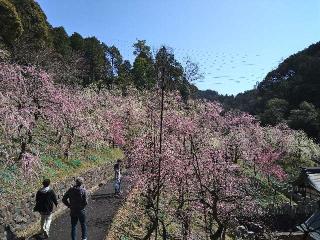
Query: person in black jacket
[
  {"x": 76, "y": 199},
  {"x": 45, "y": 198},
  {"x": 117, "y": 178}
]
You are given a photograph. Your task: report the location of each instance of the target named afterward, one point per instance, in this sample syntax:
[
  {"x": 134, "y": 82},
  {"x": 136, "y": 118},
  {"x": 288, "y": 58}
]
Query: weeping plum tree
[
  {"x": 31, "y": 103},
  {"x": 28, "y": 96},
  {"x": 203, "y": 169}
]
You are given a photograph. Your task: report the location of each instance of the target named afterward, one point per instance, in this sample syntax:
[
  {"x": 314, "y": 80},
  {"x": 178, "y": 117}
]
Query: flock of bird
[{"x": 219, "y": 68}]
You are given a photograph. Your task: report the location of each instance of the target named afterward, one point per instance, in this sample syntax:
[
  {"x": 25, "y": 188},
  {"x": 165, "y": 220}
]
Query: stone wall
[{"x": 23, "y": 221}]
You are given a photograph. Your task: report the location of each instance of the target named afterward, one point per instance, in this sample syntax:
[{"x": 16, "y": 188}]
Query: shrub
[{"x": 75, "y": 163}]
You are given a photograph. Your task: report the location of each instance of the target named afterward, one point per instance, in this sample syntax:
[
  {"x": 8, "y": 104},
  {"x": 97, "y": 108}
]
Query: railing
[
  {"x": 306, "y": 209},
  {"x": 286, "y": 218}
]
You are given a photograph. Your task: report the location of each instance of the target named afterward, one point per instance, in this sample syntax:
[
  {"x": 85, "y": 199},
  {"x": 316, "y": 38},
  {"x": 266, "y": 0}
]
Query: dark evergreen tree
[
  {"x": 95, "y": 56},
  {"x": 125, "y": 78},
  {"x": 175, "y": 74},
  {"x": 34, "y": 22},
  {"x": 61, "y": 41},
  {"x": 142, "y": 49},
  {"x": 10, "y": 22},
  {"x": 114, "y": 61},
  {"x": 76, "y": 42},
  {"x": 143, "y": 71}
]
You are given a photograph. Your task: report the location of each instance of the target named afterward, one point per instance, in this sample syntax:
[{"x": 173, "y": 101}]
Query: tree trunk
[
  {"x": 160, "y": 149},
  {"x": 149, "y": 232},
  {"x": 219, "y": 234},
  {"x": 164, "y": 231},
  {"x": 186, "y": 229},
  {"x": 59, "y": 138},
  {"x": 23, "y": 149},
  {"x": 29, "y": 137},
  {"x": 67, "y": 150}
]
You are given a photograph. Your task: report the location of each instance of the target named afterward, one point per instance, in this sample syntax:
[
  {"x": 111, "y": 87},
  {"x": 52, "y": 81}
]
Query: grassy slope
[{"x": 16, "y": 185}]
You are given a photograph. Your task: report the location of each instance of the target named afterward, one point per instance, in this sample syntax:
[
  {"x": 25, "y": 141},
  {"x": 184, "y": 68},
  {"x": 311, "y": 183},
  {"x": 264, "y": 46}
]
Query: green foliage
[
  {"x": 61, "y": 41},
  {"x": 212, "y": 95},
  {"x": 34, "y": 21},
  {"x": 59, "y": 164},
  {"x": 171, "y": 68},
  {"x": 305, "y": 118},
  {"x": 76, "y": 42},
  {"x": 49, "y": 172},
  {"x": 95, "y": 57},
  {"x": 75, "y": 163},
  {"x": 141, "y": 49},
  {"x": 114, "y": 57},
  {"x": 125, "y": 77},
  {"x": 93, "y": 158},
  {"x": 184, "y": 90},
  {"x": 143, "y": 73},
  {"x": 276, "y": 111},
  {"x": 10, "y": 22},
  {"x": 296, "y": 78},
  {"x": 114, "y": 61},
  {"x": 7, "y": 175}
]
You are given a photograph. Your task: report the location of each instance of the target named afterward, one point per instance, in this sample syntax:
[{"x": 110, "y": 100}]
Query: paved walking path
[{"x": 102, "y": 207}]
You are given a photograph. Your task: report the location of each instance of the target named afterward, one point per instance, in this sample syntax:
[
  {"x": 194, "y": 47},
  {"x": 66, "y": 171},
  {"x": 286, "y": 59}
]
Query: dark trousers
[
  {"x": 81, "y": 217},
  {"x": 117, "y": 186}
]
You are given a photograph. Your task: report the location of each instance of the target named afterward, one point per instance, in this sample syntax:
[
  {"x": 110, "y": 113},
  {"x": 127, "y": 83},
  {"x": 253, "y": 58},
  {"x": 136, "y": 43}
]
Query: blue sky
[{"x": 235, "y": 42}]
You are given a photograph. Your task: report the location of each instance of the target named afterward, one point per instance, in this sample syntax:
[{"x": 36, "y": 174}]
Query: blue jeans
[{"x": 81, "y": 217}]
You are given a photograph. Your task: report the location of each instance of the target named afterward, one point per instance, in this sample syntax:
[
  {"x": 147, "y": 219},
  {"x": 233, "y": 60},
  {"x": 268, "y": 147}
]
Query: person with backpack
[
  {"x": 45, "y": 198},
  {"x": 76, "y": 199},
  {"x": 117, "y": 178}
]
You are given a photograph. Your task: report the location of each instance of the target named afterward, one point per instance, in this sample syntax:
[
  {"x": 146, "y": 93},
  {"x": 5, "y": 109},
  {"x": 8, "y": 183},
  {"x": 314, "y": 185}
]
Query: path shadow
[
  {"x": 103, "y": 196},
  {"x": 36, "y": 237},
  {"x": 10, "y": 235}
]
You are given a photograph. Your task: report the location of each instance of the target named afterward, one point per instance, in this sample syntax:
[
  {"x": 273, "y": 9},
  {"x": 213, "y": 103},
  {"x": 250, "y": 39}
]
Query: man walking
[
  {"x": 45, "y": 198},
  {"x": 76, "y": 199}
]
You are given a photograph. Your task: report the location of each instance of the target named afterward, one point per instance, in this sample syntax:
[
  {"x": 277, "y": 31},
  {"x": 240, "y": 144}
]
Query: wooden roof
[{"x": 312, "y": 226}]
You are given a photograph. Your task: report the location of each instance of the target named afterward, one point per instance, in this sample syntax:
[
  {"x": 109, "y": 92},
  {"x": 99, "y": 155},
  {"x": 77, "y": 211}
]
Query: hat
[{"x": 79, "y": 181}]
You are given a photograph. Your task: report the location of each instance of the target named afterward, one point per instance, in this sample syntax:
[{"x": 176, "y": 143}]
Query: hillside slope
[{"x": 290, "y": 93}]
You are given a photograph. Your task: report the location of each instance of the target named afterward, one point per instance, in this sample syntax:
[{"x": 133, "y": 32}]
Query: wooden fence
[{"x": 287, "y": 217}]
